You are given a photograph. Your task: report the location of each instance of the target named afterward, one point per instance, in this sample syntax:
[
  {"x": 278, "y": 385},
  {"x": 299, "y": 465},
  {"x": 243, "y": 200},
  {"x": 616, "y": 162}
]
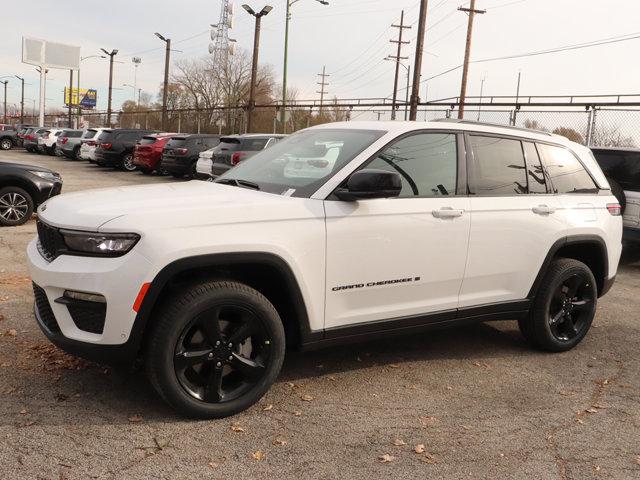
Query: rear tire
[
  {"x": 563, "y": 308},
  {"x": 215, "y": 349},
  {"x": 6, "y": 144},
  {"x": 146, "y": 171},
  {"x": 76, "y": 153},
  {"x": 16, "y": 206},
  {"x": 127, "y": 163}
]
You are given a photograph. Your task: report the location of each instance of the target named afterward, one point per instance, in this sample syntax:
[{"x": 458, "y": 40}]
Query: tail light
[
  {"x": 180, "y": 151},
  {"x": 64, "y": 140},
  {"x": 237, "y": 156},
  {"x": 105, "y": 146},
  {"x": 28, "y": 137},
  {"x": 614, "y": 209}
]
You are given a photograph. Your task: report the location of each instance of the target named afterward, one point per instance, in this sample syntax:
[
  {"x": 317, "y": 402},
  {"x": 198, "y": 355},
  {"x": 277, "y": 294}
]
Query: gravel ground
[{"x": 461, "y": 403}]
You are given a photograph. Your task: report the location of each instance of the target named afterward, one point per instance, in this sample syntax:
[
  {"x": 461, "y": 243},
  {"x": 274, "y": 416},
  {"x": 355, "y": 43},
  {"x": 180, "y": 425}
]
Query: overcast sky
[{"x": 350, "y": 37}]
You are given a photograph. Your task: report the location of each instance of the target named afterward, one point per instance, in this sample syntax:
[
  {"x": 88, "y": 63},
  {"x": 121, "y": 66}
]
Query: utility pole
[
  {"x": 254, "y": 64},
  {"x": 397, "y": 58},
  {"x": 111, "y": 54},
  {"x": 323, "y": 76},
  {"x": 467, "y": 53},
  {"x": 5, "y": 99},
  {"x": 21, "y": 99},
  {"x": 70, "y": 124},
  {"x": 165, "y": 89},
  {"x": 417, "y": 67}
]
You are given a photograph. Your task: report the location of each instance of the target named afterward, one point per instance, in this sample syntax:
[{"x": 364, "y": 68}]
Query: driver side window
[{"x": 426, "y": 162}]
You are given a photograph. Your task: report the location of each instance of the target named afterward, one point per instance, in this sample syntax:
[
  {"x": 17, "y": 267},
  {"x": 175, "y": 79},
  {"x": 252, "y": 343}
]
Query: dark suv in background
[
  {"x": 236, "y": 148},
  {"x": 115, "y": 147},
  {"x": 181, "y": 153}
]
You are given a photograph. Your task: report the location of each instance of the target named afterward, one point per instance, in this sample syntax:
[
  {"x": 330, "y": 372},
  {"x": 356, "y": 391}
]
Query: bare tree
[
  {"x": 605, "y": 136},
  {"x": 569, "y": 133}
]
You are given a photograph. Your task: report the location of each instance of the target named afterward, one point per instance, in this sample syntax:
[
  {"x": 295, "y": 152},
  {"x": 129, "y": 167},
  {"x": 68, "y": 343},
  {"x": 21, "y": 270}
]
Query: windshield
[{"x": 298, "y": 165}]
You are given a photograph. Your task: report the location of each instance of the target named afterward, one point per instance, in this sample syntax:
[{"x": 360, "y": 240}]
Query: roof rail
[{"x": 487, "y": 124}]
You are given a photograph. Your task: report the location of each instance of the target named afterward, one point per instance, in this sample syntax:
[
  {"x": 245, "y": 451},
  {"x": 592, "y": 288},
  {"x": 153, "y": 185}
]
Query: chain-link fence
[{"x": 592, "y": 126}]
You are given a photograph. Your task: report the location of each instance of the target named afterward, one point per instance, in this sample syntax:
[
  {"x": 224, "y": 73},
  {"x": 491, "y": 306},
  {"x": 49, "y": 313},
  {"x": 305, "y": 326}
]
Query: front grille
[
  {"x": 88, "y": 316},
  {"x": 43, "y": 307},
  {"x": 50, "y": 241}
]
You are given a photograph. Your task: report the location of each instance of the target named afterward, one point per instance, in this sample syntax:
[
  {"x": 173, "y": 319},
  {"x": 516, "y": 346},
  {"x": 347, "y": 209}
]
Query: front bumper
[{"x": 117, "y": 279}]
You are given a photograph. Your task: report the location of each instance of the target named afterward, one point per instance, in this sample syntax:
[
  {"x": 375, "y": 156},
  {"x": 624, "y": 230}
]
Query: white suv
[
  {"x": 414, "y": 226},
  {"x": 88, "y": 144}
]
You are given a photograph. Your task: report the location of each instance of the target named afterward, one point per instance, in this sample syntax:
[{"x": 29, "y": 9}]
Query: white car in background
[
  {"x": 88, "y": 144},
  {"x": 205, "y": 162},
  {"x": 47, "y": 141}
]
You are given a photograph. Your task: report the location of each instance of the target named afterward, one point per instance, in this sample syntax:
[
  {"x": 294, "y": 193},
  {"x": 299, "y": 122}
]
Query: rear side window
[
  {"x": 129, "y": 136},
  {"x": 254, "y": 144},
  {"x": 426, "y": 162},
  {"x": 565, "y": 171},
  {"x": 498, "y": 167},
  {"x": 211, "y": 142},
  {"x": 621, "y": 166},
  {"x": 147, "y": 141},
  {"x": 536, "y": 177},
  {"x": 89, "y": 134},
  {"x": 105, "y": 137}
]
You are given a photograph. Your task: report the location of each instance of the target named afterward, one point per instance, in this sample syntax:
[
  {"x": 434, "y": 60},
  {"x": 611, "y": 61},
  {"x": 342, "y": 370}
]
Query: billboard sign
[
  {"x": 50, "y": 54},
  {"x": 85, "y": 98}
]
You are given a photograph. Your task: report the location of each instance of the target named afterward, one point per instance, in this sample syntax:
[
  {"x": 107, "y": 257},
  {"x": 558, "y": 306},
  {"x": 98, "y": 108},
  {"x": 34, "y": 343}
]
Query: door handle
[
  {"x": 543, "y": 209},
  {"x": 447, "y": 212}
]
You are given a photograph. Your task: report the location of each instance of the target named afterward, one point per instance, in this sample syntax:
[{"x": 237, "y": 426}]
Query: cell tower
[{"x": 222, "y": 46}]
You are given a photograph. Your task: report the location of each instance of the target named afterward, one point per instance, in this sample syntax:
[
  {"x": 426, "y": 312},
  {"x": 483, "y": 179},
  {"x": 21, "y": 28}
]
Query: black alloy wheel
[{"x": 571, "y": 307}]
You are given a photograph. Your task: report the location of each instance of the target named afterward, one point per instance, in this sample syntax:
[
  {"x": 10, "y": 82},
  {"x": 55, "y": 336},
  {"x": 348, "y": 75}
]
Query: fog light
[{"x": 85, "y": 297}]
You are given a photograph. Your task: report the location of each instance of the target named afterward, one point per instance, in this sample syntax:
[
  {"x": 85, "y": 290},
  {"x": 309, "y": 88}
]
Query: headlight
[
  {"x": 107, "y": 244},
  {"x": 54, "y": 177}
]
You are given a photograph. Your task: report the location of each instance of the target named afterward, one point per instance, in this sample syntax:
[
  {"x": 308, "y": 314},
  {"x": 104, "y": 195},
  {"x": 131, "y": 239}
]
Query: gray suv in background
[
  {"x": 68, "y": 143},
  {"x": 234, "y": 149}
]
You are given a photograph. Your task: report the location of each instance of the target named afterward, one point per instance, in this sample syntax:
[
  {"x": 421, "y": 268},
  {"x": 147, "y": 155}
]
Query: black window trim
[{"x": 461, "y": 166}]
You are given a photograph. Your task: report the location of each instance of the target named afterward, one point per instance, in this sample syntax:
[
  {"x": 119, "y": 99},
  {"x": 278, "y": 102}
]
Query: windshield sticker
[{"x": 289, "y": 192}]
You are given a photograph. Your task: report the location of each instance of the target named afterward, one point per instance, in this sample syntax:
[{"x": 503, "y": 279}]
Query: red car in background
[{"x": 148, "y": 152}]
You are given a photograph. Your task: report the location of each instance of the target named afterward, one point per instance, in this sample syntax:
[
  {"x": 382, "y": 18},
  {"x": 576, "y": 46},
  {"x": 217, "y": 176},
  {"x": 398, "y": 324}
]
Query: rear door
[{"x": 514, "y": 219}]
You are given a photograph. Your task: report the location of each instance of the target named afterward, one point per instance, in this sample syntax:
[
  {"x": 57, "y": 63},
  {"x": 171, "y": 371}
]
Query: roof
[{"x": 398, "y": 128}]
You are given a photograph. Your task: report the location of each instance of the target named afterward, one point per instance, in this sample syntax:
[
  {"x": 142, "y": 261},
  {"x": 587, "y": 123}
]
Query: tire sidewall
[
  {"x": 166, "y": 340},
  {"x": 6, "y": 144},
  {"x": 132, "y": 167}
]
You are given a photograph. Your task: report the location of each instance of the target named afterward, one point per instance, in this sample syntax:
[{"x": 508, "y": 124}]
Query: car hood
[
  {"x": 22, "y": 166},
  {"x": 170, "y": 205}
]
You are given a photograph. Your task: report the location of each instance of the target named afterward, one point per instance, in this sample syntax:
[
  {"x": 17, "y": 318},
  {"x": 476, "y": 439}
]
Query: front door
[{"x": 395, "y": 258}]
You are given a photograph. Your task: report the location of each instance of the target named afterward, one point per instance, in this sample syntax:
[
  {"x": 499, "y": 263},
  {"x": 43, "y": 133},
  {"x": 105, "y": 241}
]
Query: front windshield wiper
[{"x": 238, "y": 183}]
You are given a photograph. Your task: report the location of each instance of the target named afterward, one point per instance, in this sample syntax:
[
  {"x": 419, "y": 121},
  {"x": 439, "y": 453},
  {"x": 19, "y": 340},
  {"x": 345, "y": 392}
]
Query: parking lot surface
[{"x": 473, "y": 402}]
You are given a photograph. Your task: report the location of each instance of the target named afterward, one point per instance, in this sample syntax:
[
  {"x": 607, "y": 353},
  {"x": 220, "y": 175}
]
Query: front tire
[
  {"x": 6, "y": 144},
  {"x": 16, "y": 206},
  {"x": 215, "y": 349},
  {"x": 127, "y": 163},
  {"x": 564, "y": 307}
]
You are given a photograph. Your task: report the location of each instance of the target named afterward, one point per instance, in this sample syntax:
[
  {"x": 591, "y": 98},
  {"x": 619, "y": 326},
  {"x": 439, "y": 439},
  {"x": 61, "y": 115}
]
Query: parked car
[
  {"x": 68, "y": 143},
  {"x": 147, "y": 154},
  {"x": 234, "y": 149},
  {"x": 88, "y": 144},
  {"x": 417, "y": 225},
  {"x": 180, "y": 154},
  {"x": 8, "y": 139},
  {"x": 22, "y": 189},
  {"x": 47, "y": 141},
  {"x": 115, "y": 147},
  {"x": 22, "y": 129},
  {"x": 621, "y": 166},
  {"x": 30, "y": 138}
]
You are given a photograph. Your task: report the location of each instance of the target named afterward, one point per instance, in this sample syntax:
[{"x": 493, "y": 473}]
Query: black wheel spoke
[
  {"x": 569, "y": 326},
  {"x": 242, "y": 332},
  {"x": 556, "y": 318},
  {"x": 189, "y": 358},
  {"x": 213, "y": 389},
  {"x": 249, "y": 368},
  {"x": 582, "y": 305}
]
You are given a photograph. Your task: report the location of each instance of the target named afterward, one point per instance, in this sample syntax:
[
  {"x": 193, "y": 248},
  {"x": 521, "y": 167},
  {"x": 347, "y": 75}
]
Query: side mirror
[{"x": 370, "y": 183}]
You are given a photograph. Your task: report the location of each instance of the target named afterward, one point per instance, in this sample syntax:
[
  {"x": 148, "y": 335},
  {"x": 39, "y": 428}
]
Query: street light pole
[
  {"x": 5, "y": 99},
  {"x": 286, "y": 54},
  {"x": 21, "y": 99},
  {"x": 111, "y": 54},
  {"x": 167, "y": 54},
  {"x": 254, "y": 65}
]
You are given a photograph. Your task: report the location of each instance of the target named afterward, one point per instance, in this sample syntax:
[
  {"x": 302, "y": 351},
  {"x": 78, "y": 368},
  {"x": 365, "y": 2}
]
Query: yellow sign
[{"x": 86, "y": 98}]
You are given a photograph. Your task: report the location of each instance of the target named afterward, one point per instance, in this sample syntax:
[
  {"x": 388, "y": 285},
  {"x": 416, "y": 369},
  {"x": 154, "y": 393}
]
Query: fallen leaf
[
  {"x": 398, "y": 442},
  {"x": 386, "y": 458},
  {"x": 466, "y": 427},
  {"x": 599, "y": 406},
  {"x": 591, "y": 410},
  {"x": 258, "y": 455},
  {"x": 578, "y": 420},
  {"x": 637, "y": 459},
  {"x": 307, "y": 398},
  {"x": 213, "y": 464},
  {"x": 394, "y": 365},
  {"x": 23, "y": 411},
  {"x": 5, "y": 364},
  {"x": 596, "y": 468},
  {"x": 332, "y": 378},
  {"x": 426, "y": 421},
  {"x": 428, "y": 458},
  {"x": 279, "y": 441},
  {"x": 477, "y": 364},
  {"x": 161, "y": 443},
  {"x": 297, "y": 413},
  {"x": 236, "y": 428},
  {"x": 419, "y": 448},
  {"x": 12, "y": 333},
  {"x": 449, "y": 387},
  {"x": 135, "y": 418},
  {"x": 267, "y": 408}
]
